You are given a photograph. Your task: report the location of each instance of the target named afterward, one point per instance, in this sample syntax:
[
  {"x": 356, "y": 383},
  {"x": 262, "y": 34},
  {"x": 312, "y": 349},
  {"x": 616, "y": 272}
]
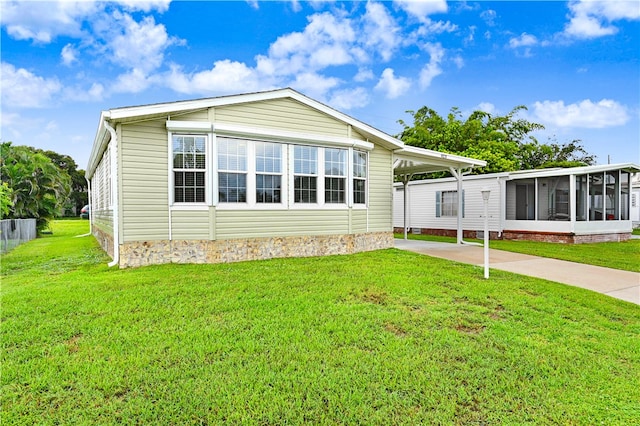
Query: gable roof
[{"x": 416, "y": 158}]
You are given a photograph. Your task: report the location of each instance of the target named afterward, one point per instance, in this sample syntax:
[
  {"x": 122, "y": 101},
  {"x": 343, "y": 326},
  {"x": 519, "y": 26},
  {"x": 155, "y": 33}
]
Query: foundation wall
[
  {"x": 547, "y": 237},
  {"x": 104, "y": 239},
  {"x": 566, "y": 238},
  {"x": 141, "y": 253},
  {"x": 468, "y": 234}
]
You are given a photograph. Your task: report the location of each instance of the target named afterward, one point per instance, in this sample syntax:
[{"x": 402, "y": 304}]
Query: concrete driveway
[{"x": 623, "y": 285}]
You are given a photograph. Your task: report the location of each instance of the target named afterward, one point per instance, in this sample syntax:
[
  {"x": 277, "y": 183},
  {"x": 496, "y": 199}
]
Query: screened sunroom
[{"x": 580, "y": 200}]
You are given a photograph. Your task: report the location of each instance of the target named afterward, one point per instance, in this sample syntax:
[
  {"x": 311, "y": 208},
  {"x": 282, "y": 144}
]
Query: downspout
[
  {"x": 405, "y": 184},
  {"x": 114, "y": 195}
]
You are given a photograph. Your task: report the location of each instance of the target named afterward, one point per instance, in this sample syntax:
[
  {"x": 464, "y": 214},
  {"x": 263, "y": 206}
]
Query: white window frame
[
  {"x": 207, "y": 181},
  {"x": 440, "y": 211},
  {"x": 251, "y": 173},
  {"x": 353, "y": 178},
  {"x": 321, "y": 175}
]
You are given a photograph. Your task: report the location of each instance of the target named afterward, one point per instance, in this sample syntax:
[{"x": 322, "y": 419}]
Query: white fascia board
[
  {"x": 283, "y": 135},
  {"x": 98, "y": 147},
  {"x": 568, "y": 171},
  {"x": 421, "y": 154},
  {"x": 172, "y": 107},
  {"x": 189, "y": 126}
]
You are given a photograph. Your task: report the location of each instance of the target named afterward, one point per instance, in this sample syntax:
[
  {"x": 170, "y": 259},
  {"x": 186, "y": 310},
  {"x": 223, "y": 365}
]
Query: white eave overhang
[
  {"x": 568, "y": 171},
  {"x": 411, "y": 160}
]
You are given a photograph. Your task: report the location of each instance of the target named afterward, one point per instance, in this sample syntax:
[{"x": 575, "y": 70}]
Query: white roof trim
[{"x": 411, "y": 159}]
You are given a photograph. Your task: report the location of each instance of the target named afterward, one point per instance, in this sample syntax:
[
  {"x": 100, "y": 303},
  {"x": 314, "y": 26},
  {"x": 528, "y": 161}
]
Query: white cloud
[
  {"x": 94, "y": 93},
  {"x": 315, "y": 85},
  {"x": 458, "y": 60},
  {"x": 326, "y": 41},
  {"x": 349, "y": 98},
  {"x": 587, "y": 114},
  {"x": 139, "y": 45},
  {"x": 591, "y": 19},
  {"x": 487, "y": 107},
  {"x": 432, "y": 69},
  {"x": 381, "y": 32},
  {"x": 133, "y": 81},
  {"x": 363, "y": 74},
  {"x": 145, "y": 5},
  {"x": 23, "y": 89},
  {"x": 524, "y": 40},
  {"x": 43, "y": 21},
  {"x": 224, "y": 77},
  {"x": 392, "y": 87},
  {"x": 421, "y": 9},
  {"x": 489, "y": 17},
  {"x": 69, "y": 54}
]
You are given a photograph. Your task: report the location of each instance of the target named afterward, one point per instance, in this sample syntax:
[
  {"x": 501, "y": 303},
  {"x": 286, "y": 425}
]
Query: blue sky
[{"x": 575, "y": 65}]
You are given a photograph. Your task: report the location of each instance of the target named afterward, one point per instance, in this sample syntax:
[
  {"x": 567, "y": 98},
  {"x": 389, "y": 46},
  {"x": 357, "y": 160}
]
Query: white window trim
[
  {"x": 321, "y": 202},
  {"x": 353, "y": 204},
  {"x": 251, "y": 201},
  {"x": 207, "y": 190}
]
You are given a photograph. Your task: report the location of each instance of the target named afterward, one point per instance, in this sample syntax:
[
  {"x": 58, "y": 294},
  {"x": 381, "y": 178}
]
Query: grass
[
  {"x": 622, "y": 255},
  {"x": 636, "y": 231},
  {"x": 386, "y": 337}
]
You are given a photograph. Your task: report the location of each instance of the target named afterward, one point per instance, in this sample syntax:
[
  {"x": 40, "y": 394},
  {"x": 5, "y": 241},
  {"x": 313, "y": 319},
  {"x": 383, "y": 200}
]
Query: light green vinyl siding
[
  {"x": 103, "y": 220},
  {"x": 190, "y": 225},
  {"x": 380, "y": 187},
  {"x": 144, "y": 171},
  {"x": 279, "y": 223},
  {"x": 358, "y": 221},
  {"x": 282, "y": 114},
  {"x": 202, "y": 115}
]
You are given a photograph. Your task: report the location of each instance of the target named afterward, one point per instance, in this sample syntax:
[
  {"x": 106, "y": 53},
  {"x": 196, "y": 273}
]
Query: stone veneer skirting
[
  {"x": 141, "y": 253},
  {"x": 105, "y": 240}
]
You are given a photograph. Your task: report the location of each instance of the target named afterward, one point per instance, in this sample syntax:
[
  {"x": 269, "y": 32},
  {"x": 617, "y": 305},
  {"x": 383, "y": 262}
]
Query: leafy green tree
[
  {"x": 6, "y": 195},
  {"x": 39, "y": 187},
  {"x": 505, "y": 142},
  {"x": 79, "y": 196}
]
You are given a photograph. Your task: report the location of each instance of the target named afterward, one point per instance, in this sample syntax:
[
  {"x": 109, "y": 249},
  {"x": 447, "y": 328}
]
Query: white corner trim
[
  {"x": 189, "y": 126},
  {"x": 284, "y": 135}
]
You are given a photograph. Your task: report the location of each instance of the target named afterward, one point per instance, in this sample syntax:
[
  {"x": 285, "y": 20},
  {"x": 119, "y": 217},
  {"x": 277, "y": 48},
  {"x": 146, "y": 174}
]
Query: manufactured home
[
  {"x": 573, "y": 205},
  {"x": 244, "y": 177}
]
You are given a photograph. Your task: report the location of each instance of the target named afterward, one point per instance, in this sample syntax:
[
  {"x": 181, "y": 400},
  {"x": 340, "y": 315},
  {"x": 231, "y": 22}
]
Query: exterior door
[{"x": 525, "y": 202}]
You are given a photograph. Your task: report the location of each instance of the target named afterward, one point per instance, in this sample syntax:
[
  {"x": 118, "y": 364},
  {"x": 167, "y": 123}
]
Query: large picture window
[
  {"x": 268, "y": 172},
  {"x": 232, "y": 170},
  {"x": 359, "y": 177},
  {"x": 189, "y": 169},
  {"x": 305, "y": 178}
]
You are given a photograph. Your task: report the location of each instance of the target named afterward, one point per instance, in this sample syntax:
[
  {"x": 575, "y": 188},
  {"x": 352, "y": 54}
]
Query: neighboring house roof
[
  {"x": 540, "y": 173},
  {"x": 409, "y": 159}
]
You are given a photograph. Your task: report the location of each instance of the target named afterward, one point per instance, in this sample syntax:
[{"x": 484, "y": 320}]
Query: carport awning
[{"x": 410, "y": 160}]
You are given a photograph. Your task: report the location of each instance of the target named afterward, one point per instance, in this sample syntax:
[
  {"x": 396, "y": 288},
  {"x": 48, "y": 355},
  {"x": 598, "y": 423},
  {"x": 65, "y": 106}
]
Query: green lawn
[
  {"x": 624, "y": 255},
  {"x": 386, "y": 337}
]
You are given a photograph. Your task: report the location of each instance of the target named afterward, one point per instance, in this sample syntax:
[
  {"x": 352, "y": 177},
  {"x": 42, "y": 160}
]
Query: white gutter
[{"x": 114, "y": 195}]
